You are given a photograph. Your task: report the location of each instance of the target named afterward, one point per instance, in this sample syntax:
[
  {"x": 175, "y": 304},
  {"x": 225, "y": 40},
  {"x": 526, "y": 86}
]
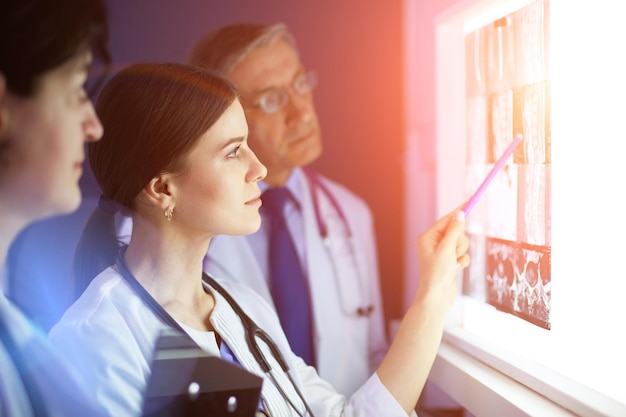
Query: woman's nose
[{"x": 92, "y": 126}]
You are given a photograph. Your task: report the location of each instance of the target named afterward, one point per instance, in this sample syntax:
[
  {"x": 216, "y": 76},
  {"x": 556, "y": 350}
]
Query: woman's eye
[{"x": 234, "y": 152}]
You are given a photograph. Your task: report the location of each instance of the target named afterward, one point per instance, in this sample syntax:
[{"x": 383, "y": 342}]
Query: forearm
[
  {"x": 442, "y": 251},
  {"x": 406, "y": 366}
]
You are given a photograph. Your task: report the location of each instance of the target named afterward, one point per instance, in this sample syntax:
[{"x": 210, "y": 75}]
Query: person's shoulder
[
  {"x": 109, "y": 313},
  {"x": 107, "y": 293}
]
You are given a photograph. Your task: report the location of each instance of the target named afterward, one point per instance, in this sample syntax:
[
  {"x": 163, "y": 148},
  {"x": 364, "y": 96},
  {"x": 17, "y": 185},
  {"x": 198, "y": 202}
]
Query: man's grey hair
[{"x": 221, "y": 50}]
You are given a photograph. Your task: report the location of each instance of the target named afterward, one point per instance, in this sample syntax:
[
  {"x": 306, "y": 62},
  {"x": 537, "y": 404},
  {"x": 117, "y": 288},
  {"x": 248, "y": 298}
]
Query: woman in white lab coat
[
  {"x": 45, "y": 119},
  {"x": 175, "y": 157}
]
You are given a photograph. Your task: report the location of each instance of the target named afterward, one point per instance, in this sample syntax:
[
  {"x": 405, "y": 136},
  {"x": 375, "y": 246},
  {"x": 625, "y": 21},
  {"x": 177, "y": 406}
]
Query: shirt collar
[{"x": 294, "y": 185}]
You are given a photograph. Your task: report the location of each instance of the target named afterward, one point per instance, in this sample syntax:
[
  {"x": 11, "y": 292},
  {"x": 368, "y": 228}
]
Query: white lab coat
[
  {"x": 348, "y": 347},
  {"x": 110, "y": 334},
  {"x": 62, "y": 392}
]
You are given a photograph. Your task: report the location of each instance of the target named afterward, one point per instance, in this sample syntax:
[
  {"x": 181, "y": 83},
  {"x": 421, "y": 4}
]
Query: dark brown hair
[
  {"x": 37, "y": 36},
  {"x": 153, "y": 116}
]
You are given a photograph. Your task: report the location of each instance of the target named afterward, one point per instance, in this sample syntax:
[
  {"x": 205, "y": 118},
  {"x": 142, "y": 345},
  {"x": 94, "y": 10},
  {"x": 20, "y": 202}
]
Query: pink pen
[{"x": 497, "y": 167}]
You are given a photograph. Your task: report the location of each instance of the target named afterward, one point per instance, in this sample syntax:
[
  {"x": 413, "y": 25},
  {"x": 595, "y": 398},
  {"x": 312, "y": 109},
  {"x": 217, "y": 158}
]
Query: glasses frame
[{"x": 275, "y": 99}]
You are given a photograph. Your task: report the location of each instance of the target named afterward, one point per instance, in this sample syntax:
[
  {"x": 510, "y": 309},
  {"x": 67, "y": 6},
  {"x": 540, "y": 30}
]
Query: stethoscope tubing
[{"x": 315, "y": 184}]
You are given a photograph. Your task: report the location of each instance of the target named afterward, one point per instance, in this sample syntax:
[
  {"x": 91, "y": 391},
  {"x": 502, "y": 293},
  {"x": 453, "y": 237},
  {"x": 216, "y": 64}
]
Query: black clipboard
[{"x": 187, "y": 382}]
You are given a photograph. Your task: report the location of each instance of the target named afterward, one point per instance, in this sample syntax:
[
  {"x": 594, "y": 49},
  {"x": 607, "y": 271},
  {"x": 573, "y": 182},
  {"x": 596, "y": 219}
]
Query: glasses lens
[
  {"x": 273, "y": 101},
  {"x": 305, "y": 83}
]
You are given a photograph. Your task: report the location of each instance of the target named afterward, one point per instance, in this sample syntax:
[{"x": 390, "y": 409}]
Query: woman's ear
[{"x": 158, "y": 191}]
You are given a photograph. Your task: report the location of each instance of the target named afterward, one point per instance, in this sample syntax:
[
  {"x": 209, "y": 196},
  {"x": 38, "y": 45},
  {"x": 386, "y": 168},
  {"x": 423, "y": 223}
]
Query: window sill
[{"x": 489, "y": 383}]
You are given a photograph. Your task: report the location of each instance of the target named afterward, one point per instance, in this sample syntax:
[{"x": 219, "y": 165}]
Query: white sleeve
[
  {"x": 371, "y": 400},
  {"x": 110, "y": 361}
]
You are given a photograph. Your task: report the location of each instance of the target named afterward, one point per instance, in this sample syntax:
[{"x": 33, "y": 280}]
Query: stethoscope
[
  {"x": 252, "y": 332},
  {"x": 318, "y": 186}
]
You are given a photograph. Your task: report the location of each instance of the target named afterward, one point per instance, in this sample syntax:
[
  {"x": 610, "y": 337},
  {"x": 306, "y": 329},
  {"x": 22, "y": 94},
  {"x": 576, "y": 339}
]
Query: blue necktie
[{"x": 288, "y": 285}]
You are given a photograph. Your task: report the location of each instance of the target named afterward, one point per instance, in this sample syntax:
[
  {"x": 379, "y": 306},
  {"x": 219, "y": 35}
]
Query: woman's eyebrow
[{"x": 237, "y": 139}]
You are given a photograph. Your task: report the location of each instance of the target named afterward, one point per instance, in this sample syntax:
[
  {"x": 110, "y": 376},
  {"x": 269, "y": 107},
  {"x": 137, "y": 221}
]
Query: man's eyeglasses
[{"x": 274, "y": 100}]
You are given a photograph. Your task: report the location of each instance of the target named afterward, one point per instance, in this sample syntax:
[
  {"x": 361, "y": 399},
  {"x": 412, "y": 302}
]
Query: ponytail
[{"x": 98, "y": 246}]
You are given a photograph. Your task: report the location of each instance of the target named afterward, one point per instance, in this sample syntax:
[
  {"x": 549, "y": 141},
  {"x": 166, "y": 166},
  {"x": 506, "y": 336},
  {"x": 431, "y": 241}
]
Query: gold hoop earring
[{"x": 169, "y": 212}]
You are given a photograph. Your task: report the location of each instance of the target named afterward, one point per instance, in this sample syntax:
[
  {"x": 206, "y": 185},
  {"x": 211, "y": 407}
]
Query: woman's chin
[{"x": 249, "y": 229}]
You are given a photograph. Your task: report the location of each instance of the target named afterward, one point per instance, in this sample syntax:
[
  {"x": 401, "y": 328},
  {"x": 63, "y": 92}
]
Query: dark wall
[{"x": 356, "y": 48}]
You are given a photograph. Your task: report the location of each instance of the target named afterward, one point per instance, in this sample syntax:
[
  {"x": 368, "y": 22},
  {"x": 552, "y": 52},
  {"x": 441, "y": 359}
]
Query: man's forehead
[{"x": 269, "y": 66}]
